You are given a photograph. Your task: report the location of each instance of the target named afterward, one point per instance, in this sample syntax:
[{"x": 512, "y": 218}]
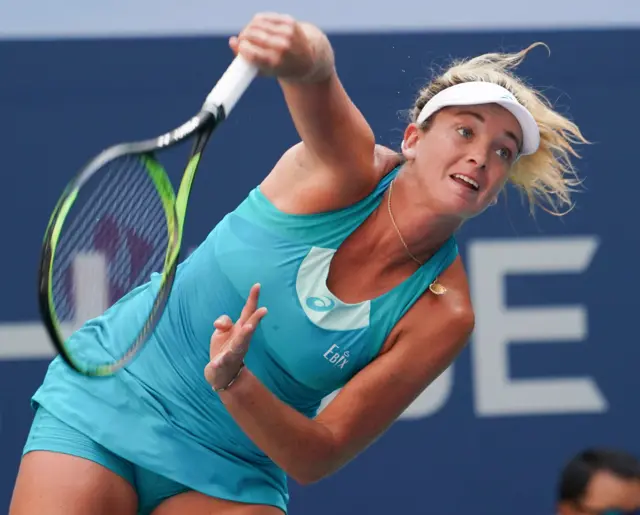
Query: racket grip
[{"x": 231, "y": 86}]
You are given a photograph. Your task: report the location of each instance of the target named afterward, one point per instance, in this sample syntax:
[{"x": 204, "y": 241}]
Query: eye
[
  {"x": 505, "y": 153},
  {"x": 465, "y": 132}
]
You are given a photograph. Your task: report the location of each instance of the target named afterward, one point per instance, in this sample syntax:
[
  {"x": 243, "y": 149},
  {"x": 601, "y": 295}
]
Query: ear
[{"x": 411, "y": 137}]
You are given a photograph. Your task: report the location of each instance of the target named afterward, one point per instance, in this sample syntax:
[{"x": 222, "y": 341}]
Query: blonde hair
[{"x": 547, "y": 178}]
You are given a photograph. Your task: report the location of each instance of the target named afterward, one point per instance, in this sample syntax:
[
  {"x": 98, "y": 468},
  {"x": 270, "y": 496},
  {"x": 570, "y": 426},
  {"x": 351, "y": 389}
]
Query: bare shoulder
[
  {"x": 446, "y": 319},
  {"x": 456, "y": 301},
  {"x": 299, "y": 184}
]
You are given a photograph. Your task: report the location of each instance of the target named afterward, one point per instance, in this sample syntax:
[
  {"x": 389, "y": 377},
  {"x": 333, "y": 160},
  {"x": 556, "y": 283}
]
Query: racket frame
[{"x": 217, "y": 106}]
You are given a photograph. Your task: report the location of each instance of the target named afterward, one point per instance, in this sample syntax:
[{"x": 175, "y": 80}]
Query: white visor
[{"x": 478, "y": 93}]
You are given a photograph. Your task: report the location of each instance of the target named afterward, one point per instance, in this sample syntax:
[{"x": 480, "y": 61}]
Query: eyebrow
[{"x": 508, "y": 133}]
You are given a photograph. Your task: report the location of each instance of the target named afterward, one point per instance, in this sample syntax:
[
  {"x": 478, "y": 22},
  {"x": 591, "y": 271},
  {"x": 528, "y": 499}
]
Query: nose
[{"x": 478, "y": 156}]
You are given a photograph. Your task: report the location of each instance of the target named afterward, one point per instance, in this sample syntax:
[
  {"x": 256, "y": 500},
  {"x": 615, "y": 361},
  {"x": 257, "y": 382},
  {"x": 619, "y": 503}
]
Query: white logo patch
[{"x": 322, "y": 307}]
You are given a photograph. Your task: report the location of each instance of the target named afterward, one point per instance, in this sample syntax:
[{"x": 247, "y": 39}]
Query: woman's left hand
[{"x": 230, "y": 342}]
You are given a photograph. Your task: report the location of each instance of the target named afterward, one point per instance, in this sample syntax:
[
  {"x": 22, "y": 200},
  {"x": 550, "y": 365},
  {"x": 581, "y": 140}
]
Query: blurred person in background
[{"x": 600, "y": 482}]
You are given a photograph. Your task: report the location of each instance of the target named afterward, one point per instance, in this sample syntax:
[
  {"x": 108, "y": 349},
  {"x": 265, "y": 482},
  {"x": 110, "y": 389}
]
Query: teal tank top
[{"x": 161, "y": 414}]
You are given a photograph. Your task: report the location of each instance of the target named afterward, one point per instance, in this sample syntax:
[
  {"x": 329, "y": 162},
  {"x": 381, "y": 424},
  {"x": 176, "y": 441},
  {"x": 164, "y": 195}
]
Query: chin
[{"x": 458, "y": 208}]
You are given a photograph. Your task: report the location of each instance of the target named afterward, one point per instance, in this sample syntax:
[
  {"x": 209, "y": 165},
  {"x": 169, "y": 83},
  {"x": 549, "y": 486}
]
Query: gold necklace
[{"x": 435, "y": 286}]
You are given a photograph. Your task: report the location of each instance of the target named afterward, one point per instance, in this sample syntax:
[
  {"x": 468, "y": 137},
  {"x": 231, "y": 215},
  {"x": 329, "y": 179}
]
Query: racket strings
[{"x": 114, "y": 237}]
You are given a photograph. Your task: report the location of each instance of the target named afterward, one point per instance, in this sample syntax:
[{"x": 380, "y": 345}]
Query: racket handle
[{"x": 231, "y": 86}]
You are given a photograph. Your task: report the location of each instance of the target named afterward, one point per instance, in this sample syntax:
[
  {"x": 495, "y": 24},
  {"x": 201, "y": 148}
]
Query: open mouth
[{"x": 465, "y": 181}]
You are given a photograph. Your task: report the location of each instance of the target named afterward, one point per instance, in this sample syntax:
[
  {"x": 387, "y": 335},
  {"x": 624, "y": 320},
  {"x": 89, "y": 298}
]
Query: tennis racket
[{"x": 117, "y": 226}]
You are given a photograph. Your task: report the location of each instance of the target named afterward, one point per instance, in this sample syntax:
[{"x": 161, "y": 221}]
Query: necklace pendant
[{"x": 436, "y": 288}]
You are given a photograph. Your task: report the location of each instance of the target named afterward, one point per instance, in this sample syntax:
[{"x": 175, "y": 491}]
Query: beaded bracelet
[{"x": 233, "y": 380}]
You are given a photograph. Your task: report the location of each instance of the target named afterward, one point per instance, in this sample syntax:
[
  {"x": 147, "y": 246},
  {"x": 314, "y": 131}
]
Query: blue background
[{"x": 63, "y": 101}]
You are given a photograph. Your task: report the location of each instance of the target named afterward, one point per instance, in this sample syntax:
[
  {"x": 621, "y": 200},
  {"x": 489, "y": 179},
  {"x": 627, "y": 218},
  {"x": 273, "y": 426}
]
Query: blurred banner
[
  {"x": 79, "y": 18},
  {"x": 552, "y": 366}
]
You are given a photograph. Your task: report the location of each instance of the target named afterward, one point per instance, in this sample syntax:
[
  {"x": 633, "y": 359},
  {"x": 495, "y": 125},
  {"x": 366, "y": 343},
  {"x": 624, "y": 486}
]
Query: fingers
[
  {"x": 263, "y": 58},
  {"x": 250, "y": 314},
  {"x": 250, "y": 325},
  {"x": 239, "y": 345},
  {"x": 265, "y": 39},
  {"x": 251, "y": 305},
  {"x": 273, "y": 18},
  {"x": 233, "y": 43},
  {"x": 223, "y": 323},
  {"x": 273, "y": 23},
  {"x": 265, "y": 30},
  {"x": 231, "y": 340}
]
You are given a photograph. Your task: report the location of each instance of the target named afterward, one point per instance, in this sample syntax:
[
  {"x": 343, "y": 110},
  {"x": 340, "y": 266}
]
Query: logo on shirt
[
  {"x": 335, "y": 357},
  {"x": 320, "y": 304},
  {"x": 322, "y": 307}
]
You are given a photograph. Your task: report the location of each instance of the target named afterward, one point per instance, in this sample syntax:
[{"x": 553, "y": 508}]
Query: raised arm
[
  {"x": 334, "y": 131},
  {"x": 337, "y": 148}
]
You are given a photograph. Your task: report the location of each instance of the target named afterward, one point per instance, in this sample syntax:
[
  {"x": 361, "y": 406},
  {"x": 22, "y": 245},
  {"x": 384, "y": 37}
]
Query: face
[
  {"x": 606, "y": 494},
  {"x": 463, "y": 159}
]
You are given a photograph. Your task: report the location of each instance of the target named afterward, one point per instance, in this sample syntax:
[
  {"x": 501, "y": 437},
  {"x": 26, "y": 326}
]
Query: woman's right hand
[{"x": 279, "y": 45}]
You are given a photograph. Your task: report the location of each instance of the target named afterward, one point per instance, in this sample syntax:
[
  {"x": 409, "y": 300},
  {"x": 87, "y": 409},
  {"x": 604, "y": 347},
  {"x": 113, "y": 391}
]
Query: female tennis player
[{"x": 351, "y": 250}]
